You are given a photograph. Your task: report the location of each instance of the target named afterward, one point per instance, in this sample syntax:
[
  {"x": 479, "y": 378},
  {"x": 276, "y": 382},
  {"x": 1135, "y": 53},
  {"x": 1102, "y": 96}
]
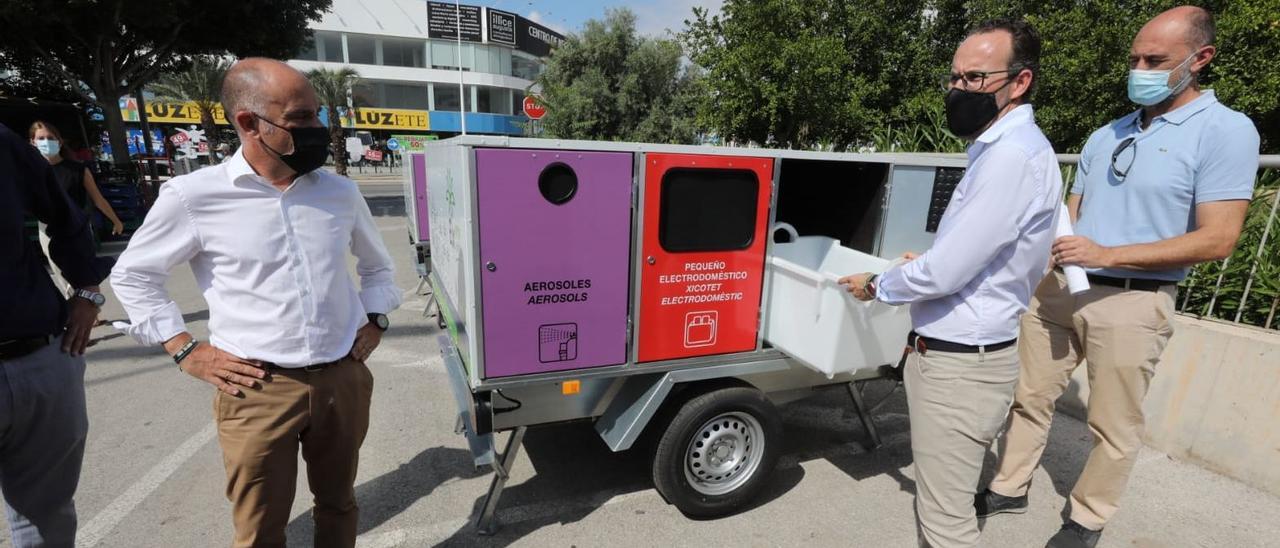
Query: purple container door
[
  {"x": 418, "y": 161},
  {"x": 554, "y": 278}
]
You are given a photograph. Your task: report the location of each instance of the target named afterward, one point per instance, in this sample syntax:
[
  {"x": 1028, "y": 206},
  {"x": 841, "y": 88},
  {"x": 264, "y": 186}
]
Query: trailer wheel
[{"x": 717, "y": 452}]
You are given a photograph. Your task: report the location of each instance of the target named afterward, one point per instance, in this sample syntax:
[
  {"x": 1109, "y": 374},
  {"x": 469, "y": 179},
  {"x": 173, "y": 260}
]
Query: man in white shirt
[
  {"x": 967, "y": 291},
  {"x": 266, "y": 234}
]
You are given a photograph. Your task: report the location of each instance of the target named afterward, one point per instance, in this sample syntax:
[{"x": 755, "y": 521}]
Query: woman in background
[
  {"x": 73, "y": 176},
  {"x": 75, "y": 179}
]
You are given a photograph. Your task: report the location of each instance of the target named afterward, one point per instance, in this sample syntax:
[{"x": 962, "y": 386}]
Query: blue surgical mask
[
  {"x": 1150, "y": 87},
  {"x": 48, "y": 147}
]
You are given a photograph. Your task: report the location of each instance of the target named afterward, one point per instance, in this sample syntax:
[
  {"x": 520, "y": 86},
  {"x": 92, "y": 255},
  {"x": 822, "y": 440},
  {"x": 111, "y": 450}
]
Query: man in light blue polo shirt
[{"x": 1157, "y": 192}]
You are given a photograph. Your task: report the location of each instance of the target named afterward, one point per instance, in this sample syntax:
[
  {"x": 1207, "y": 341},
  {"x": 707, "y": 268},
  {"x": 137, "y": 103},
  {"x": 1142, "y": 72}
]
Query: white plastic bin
[{"x": 813, "y": 319}]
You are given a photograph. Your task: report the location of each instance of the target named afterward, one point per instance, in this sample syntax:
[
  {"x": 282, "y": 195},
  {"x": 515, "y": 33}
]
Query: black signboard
[
  {"x": 442, "y": 22},
  {"x": 536, "y": 39},
  {"x": 502, "y": 27}
]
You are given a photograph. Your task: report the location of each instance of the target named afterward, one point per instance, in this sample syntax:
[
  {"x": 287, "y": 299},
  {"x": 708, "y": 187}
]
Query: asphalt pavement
[{"x": 153, "y": 474}]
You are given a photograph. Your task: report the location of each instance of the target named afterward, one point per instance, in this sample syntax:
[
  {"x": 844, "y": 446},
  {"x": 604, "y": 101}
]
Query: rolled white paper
[{"x": 1077, "y": 279}]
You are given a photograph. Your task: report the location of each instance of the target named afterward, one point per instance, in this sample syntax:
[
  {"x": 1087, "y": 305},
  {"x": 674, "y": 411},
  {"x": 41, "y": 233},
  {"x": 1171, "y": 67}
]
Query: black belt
[
  {"x": 12, "y": 349},
  {"x": 271, "y": 366},
  {"x": 1135, "y": 284},
  {"x": 923, "y": 345}
]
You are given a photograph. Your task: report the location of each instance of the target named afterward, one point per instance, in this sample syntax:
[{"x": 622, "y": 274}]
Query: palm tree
[
  {"x": 332, "y": 87},
  {"x": 201, "y": 83}
]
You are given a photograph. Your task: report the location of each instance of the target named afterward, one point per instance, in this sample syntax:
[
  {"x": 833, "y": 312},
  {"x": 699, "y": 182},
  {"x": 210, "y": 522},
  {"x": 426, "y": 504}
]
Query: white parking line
[{"x": 97, "y": 529}]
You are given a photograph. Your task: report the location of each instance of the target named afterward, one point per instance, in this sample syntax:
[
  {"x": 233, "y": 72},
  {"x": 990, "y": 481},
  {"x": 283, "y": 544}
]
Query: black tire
[{"x": 696, "y": 490}]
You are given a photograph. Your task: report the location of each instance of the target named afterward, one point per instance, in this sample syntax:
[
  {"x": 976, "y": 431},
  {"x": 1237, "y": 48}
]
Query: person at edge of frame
[
  {"x": 43, "y": 334},
  {"x": 1158, "y": 190}
]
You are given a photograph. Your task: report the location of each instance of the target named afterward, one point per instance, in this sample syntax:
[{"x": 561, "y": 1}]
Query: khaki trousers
[
  {"x": 957, "y": 404},
  {"x": 326, "y": 412},
  {"x": 1122, "y": 334}
]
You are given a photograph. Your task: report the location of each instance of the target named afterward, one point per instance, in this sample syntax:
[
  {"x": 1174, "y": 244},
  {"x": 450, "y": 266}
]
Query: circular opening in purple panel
[{"x": 558, "y": 183}]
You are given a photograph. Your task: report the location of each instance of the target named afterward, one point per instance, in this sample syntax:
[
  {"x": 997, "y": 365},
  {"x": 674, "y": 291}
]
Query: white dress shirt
[
  {"x": 992, "y": 245},
  {"x": 271, "y": 265}
]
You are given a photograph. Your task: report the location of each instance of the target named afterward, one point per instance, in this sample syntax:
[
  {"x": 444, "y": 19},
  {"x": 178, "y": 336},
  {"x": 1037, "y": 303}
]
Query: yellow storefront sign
[
  {"x": 169, "y": 113},
  {"x": 362, "y": 118},
  {"x": 388, "y": 118}
]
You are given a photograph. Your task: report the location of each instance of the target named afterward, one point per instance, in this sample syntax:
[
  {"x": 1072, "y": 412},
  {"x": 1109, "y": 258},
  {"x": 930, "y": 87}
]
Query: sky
[{"x": 653, "y": 17}]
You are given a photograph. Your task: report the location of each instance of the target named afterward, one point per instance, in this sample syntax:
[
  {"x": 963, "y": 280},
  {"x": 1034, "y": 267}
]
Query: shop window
[
  {"x": 446, "y": 97},
  {"x": 404, "y": 96},
  {"x": 330, "y": 47},
  {"x": 708, "y": 210},
  {"x": 492, "y": 100},
  {"x": 309, "y": 51},
  {"x": 361, "y": 50},
  {"x": 403, "y": 53},
  {"x": 524, "y": 67}
]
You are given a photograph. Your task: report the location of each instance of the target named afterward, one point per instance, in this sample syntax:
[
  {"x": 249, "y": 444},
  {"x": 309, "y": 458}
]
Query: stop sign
[{"x": 533, "y": 108}]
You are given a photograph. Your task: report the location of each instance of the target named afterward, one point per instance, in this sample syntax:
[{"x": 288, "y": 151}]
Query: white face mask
[{"x": 48, "y": 147}]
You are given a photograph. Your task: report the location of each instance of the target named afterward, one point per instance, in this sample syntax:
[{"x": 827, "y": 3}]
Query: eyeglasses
[
  {"x": 972, "y": 79},
  {"x": 1125, "y": 145}
]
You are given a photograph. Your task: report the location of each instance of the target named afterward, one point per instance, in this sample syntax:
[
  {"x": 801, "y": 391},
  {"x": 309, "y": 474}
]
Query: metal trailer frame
[{"x": 621, "y": 400}]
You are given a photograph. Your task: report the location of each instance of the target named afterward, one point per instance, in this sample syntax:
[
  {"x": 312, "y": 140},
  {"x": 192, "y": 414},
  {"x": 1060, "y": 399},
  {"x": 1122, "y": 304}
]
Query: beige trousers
[
  {"x": 1122, "y": 334},
  {"x": 957, "y": 404},
  {"x": 324, "y": 412}
]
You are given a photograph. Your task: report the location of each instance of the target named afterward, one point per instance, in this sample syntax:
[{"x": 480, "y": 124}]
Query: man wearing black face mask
[
  {"x": 266, "y": 234},
  {"x": 967, "y": 291}
]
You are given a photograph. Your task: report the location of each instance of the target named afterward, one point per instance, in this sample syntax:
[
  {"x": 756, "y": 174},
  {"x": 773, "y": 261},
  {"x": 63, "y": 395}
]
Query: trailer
[{"x": 665, "y": 293}]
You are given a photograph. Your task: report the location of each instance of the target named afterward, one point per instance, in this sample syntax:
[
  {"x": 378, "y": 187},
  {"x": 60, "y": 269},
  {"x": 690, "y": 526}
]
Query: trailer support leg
[
  {"x": 487, "y": 524},
  {"x": 864, "y": 415}
]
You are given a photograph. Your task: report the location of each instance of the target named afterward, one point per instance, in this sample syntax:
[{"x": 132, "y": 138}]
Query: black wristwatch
[
  {"x": 92, "y": 296},
  {"x": 379, "y": 321}
]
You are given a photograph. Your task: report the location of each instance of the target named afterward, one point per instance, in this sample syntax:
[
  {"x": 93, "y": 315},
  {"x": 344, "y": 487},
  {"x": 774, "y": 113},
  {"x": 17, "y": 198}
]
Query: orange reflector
[{"x": 570, "y": 388}]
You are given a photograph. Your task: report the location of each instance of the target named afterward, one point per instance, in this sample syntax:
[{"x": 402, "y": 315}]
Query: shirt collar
[
  {"x": 1185, "y": 112},
  {"x": 238, "y": 168},
  {"x": 1178, "y": 115},
  {"x": 1023, "y": 114}
]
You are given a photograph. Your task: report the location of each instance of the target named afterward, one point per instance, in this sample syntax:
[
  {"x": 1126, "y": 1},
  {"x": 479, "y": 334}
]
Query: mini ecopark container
[{"x": 636, "y": 286}]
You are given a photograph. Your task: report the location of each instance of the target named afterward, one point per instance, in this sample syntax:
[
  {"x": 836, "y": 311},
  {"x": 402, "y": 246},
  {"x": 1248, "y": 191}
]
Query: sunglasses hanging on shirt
[{"x": 1124, "y": 155}]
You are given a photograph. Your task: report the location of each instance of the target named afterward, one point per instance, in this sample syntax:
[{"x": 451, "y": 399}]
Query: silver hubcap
[{"x": 724, "y": 453}]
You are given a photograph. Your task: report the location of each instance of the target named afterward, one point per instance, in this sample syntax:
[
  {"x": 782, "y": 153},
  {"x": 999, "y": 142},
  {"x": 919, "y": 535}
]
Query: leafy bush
[{"x": 1197, "y": 294}]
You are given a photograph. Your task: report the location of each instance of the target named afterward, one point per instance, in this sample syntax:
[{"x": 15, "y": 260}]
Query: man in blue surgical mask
[{"x": 1158, "y": 191}]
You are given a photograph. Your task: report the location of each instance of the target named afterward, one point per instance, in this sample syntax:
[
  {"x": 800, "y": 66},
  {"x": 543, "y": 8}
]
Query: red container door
[{"x": 702, "y": 269}]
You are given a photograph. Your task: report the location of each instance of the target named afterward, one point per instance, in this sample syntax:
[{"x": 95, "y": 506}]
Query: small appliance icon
[
  {"x": 700, "y": 328},
  {"x": 557, "y": 342}
]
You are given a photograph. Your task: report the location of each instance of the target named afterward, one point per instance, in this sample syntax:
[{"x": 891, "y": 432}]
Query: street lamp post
[{"x": 462, "y": 92}]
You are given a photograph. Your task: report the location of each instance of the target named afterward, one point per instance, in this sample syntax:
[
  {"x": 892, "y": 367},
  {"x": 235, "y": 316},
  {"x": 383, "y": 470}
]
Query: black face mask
[
  {"x": 310, "y": 147},
  {"x": 970, "y": 111}
]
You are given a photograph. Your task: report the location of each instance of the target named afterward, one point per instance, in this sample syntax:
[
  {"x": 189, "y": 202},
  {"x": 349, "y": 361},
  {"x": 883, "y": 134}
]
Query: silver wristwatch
[{"x": 92, "y": 296}]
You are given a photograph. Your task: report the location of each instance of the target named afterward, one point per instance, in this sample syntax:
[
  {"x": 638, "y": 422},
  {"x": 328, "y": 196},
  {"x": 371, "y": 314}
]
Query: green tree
[
  {"x": 201, "y": 83},
  {"x": 1085, "y": 57},
  {"x": 815, "y": 73},
  {"x": 829, "y": 72},
  {"x": 106, "y": 49},
  {"x": 608, "y": 83},
  {"x": 332, "y": 87}
]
